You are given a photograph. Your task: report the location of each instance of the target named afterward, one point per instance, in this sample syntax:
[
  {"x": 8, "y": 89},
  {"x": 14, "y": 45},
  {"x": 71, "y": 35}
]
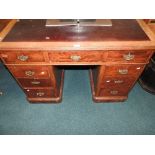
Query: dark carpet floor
[{"x": 77, "y": 114}]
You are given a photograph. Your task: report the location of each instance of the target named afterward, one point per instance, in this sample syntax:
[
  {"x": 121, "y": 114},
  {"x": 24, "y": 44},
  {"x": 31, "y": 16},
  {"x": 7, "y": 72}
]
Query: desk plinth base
[
  {"x": 45, "y": 100},
  {"x": 103, "y": 99},
  {"x": 50, "y": 100}
]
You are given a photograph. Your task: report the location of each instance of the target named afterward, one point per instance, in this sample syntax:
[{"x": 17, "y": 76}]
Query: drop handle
[
  {"x": 23, "y": 57},
  {"x": 75, "y": 57},
  {"x": 118, "y": 81},
  {"x": 29, "y": 73},
  {"x": 35, "y": 82},
  {"x": 40, "y": 94},
  {"x": 113, "y": 92},
  {"x": 128, "y": 56},
  {"x": 123, "y": 71}
]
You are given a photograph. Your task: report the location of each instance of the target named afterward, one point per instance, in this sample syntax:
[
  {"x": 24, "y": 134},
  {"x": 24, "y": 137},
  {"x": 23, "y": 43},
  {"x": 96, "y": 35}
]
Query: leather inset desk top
[{"x": 35, "y": 30}]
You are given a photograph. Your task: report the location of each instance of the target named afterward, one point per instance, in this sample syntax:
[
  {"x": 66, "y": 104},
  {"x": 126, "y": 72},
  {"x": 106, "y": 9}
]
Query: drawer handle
[
  {"x": 75, "y": 57},
  {"x": 40, "y": 94},
  {"x": 128, "y": 56},
  {"x": 35, "y": 82},
  {"x": 29, "y": 73},
  {"x": 113, "y": 92},
  {"x": 23, "y": 57},
  {"x": 118, "y": 81},
  {"x": 123, "y": 71}
]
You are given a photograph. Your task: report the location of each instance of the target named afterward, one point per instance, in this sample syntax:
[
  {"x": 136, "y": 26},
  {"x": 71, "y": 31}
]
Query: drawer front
[
  {"x": 39, "y": 93},
  {"x": 129, "y": 56},
  {"x": 113, "y": 91},
  {"x": 35, "y": 82},
  {"x": 30, "y": 71},
  {"x": 79, "y": 56},
  {"x": 118, "y": 82},
  {"x": 22, "y": 57},
  {"x": 124, "y": 70}
]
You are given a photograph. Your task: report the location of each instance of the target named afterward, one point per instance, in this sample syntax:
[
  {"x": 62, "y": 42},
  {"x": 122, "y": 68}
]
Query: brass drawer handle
[
  {"x": 128, "y": 56},
  {"x": 123, "y": 71},
  {"x": 75, "y": 57},
  {"x": 35, "y": 82},
  {"x": 29, "y": 73},
  {"x": 23, "y": 57},
  {"x": 118, "y": 81},
  {"x": 113, "y": 92},
  {"x": 40, "y": 94}
]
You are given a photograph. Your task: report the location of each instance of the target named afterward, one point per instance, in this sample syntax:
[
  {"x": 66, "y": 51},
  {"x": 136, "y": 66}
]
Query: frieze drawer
[
  {"x": 22, "y": 57},
  {"x": 129, "y": 56},
  {"x": 77, "y": 56}
]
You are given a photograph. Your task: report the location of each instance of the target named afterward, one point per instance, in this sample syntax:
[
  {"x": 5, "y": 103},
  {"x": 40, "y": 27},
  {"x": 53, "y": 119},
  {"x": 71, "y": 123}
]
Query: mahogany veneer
[{"x": 117, "y": 54}]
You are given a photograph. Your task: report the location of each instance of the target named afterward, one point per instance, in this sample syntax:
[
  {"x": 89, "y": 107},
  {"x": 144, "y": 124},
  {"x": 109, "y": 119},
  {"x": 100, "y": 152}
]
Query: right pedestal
[{"x": 112, "y": 83}]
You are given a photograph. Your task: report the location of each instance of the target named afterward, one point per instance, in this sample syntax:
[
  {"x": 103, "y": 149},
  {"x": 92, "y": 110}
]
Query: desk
[{"x": 117, "y": 56}]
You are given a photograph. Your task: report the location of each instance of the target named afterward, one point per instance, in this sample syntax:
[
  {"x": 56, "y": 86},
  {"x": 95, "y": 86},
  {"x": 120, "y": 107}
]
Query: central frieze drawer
[
  {"x": 22, "y": 57},
  {"x": 77, "y": 56},
  {"x": 30, "y": 71},
  {"x": 129, "y": 56}
]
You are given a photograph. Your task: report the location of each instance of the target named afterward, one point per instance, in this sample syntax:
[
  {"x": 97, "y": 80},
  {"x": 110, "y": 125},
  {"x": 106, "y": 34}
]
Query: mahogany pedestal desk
[{"x": 117, "y": 56}]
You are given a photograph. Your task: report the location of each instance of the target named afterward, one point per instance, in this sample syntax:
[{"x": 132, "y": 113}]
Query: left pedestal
[{"x": 40, "y": 83}]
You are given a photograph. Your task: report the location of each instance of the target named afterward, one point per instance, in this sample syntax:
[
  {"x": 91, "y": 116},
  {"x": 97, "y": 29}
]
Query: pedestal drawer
[
  {"x": 30, "y": 71},
  {"x": 39, "y": 93},
  {"x": 118, "y": 82},
  {"x": 35, "y": 82},
  {"x": 113, "y": 91},
  {"x": 123, "y": 70}
]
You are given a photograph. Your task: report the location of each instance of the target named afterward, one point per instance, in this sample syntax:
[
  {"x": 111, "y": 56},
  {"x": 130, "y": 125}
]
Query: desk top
[
  {"x": 35, "y": 30},
  {"x": 126, "y": 34}
]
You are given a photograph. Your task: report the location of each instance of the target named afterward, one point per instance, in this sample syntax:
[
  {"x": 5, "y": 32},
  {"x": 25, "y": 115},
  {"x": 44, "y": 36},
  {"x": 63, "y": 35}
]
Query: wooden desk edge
[
  {"x": 7, "y": 29},
  {"x": 146, "y": 29}
]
